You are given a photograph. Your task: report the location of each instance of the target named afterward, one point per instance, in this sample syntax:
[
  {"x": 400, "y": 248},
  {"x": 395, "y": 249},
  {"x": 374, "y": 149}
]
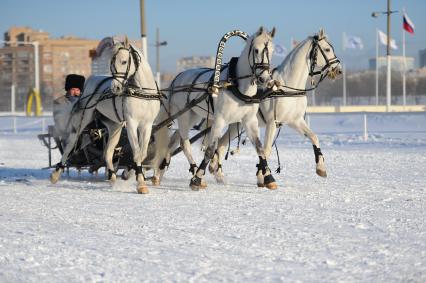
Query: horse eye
[
  {"x": 256, "y": 51},
  {"x": 124, "y": 62},
  {"x": 327, "y": 50}
]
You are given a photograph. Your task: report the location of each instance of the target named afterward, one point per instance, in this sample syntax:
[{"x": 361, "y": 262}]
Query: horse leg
[
  {"x": 132, "y": 133},
  {"x": 197, "y": 180},
  {"x": 71, "y": 141},
  {"x": 267, "y": 146},
  {"x": 215, "y": 165},
  {"x": 145, "y": 132},
  {"x": 185, "y": 124},
  {"x": 251, "y": 126},
  {"x": 114, "y": 133},
  {"x": 303, "y": 128},
  {"x": 165, "y": 162}
]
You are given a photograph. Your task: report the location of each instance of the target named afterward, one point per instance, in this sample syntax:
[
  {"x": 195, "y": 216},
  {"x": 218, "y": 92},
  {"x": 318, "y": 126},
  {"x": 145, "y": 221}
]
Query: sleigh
[{"x": 89, "y": 151}]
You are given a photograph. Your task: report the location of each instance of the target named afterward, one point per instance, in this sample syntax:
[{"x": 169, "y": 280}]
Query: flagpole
[
  {"x": 404, "y": 68},
  {"x": 344, "y": 69},
  {"x": 388, "y": 59},
  {"x": 377, "y": 66}
]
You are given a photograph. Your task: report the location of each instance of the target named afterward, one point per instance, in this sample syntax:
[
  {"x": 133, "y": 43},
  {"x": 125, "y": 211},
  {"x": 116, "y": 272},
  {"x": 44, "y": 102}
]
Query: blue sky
[{"x": 194, "y": 27}]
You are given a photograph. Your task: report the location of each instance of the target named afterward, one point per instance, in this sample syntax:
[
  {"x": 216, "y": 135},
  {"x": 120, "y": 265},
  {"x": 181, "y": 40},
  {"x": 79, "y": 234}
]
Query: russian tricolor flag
[{"x": 407, "y": 24}]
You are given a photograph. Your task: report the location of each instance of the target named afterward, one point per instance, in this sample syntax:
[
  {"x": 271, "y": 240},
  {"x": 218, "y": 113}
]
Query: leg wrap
[
  {"x": 203, "y": 165},
  {"x": 110, "y": 172},
  {"x": 192, "y": 168},
  {"x": 139, "y": 171},
  {"x": 164, "y": 164},
  {"x": 59, "y": 166},
  {"x": 263, "y": 165},
  {"x": 219, "y": 167},
  {"x": 318, "y": 153}
]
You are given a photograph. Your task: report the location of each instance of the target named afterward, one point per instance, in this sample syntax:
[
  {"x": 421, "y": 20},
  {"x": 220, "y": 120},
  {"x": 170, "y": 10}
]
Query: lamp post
[
  {"x": 158, "y": 44},
  {"x": 143, "y": 29},
  {"x": 388, "y": 54}
]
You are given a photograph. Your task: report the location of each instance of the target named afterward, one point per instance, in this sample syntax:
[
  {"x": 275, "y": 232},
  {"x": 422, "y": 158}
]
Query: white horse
[
  {"x": 252, "y": 68},
  {"x": 311, "y": 57},
  {"x": 138, "y": 107}
]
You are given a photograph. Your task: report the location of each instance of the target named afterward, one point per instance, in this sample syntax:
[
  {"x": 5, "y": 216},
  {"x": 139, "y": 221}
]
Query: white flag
[
  {"x": 384, "y": 40},
  {"x": 280, "y": 50},
  {"x": 353, "y": 42}
]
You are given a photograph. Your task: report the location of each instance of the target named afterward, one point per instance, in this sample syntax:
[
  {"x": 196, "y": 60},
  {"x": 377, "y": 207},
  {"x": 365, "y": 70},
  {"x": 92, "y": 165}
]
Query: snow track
[{"x": 365, "y": 222}]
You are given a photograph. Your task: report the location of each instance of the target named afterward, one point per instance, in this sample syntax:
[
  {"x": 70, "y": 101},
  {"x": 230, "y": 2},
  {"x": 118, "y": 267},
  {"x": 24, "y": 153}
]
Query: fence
[
  {"x": 17, "y": 124},
  {"x": 361, "y": 124}
]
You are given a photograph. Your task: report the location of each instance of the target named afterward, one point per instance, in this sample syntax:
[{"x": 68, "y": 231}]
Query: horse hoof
[
  {"x": 203, "y": 184},
  {"x": 143, "y": 189},
  {"x": 113, "y": 178},
  {"x": 125, "y": 175},
  {"x": 272, "y": 186},
  {"x": 155, "y": 181},
  {"x": 220, "y": 179},
  {"x": 270, "y": 183},
  {"x": 260, "y": 185},
  {"x": 197, "y": 183},
  {"x": 54, "y": 177},
  {"x": 321, "y": 173}
]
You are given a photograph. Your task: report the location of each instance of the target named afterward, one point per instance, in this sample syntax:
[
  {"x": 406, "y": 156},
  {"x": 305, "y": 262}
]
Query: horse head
[
  {"x": 323, "y": 58},
  {"x": 124, "y": 64},
  {"x": 260, "y": 54}
]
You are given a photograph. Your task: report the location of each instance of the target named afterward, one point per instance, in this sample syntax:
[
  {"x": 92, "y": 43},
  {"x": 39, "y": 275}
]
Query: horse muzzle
[{"x": 335, "y": 72}]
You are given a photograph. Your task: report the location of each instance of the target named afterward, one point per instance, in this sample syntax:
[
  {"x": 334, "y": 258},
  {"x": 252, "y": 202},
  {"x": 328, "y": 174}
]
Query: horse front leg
[
  {"x": 252, "y": 129},
  {"x": 145, "y": 132},
  {"x": 303, "y": 128},
  {"x": 132, "y": 134},
  {"x": 267, "y": 146},
  {"x": 197, "y": 181},
  {"x": 114, "y": 133}
]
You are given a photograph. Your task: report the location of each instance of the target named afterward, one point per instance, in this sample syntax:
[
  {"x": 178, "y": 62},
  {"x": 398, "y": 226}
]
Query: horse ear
[
  {"x": 126, "y": 42},
  {"x": 272, "y": 33},
  {"x": 260, "y": 31},
  {"x": 321, "y": 33}
]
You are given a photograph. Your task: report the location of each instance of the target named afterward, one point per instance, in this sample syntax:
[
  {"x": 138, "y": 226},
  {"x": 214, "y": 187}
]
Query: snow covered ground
[{"x": 365, "y": 222}]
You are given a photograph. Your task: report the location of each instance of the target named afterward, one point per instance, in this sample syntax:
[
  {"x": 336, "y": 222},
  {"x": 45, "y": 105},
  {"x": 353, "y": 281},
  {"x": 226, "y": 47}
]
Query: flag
[
  {"x": 280, "y": 50},
  {"x": 384, "y": 40},
  {"x": 294, "y": 43},
  {"x": 407, "y": 24},
  {"x": 353, "y": 42}
]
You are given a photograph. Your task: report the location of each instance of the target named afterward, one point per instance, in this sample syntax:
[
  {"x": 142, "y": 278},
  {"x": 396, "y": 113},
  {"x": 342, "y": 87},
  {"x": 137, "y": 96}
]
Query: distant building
[
  {"x": 195, "y": 62},
  {"x": 422, "y": 58},
  {"x": 397, "y": 63},
  {"x": 58, "y": 57},
  {"x": 101, "y": 56}
]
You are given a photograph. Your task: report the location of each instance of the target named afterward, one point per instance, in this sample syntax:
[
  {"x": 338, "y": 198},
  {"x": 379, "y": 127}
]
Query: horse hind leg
[
  {"x": 114, "y": 132},
  {"x": 71, "y": 141},
  {"x": 215, "y": 166},
  {"x": 303, "y": 128}
]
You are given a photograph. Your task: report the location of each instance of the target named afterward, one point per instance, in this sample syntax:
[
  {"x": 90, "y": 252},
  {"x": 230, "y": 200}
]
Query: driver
[{"x": 74, "y": 85}]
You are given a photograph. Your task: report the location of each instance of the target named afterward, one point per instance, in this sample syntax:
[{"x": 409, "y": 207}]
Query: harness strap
[{"x": 232, "y": 76}]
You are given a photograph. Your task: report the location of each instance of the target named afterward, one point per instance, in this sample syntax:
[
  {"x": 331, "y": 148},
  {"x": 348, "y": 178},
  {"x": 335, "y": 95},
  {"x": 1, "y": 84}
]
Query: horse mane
[{"x": 293, "y": 52}]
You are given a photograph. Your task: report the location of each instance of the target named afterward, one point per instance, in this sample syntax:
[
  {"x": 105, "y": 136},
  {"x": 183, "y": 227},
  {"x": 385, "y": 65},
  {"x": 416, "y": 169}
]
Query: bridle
[
  {"x": 330, "y": 63},
  {"x": 125, "y": 76},
  {"x": 263, "y": 66}
]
